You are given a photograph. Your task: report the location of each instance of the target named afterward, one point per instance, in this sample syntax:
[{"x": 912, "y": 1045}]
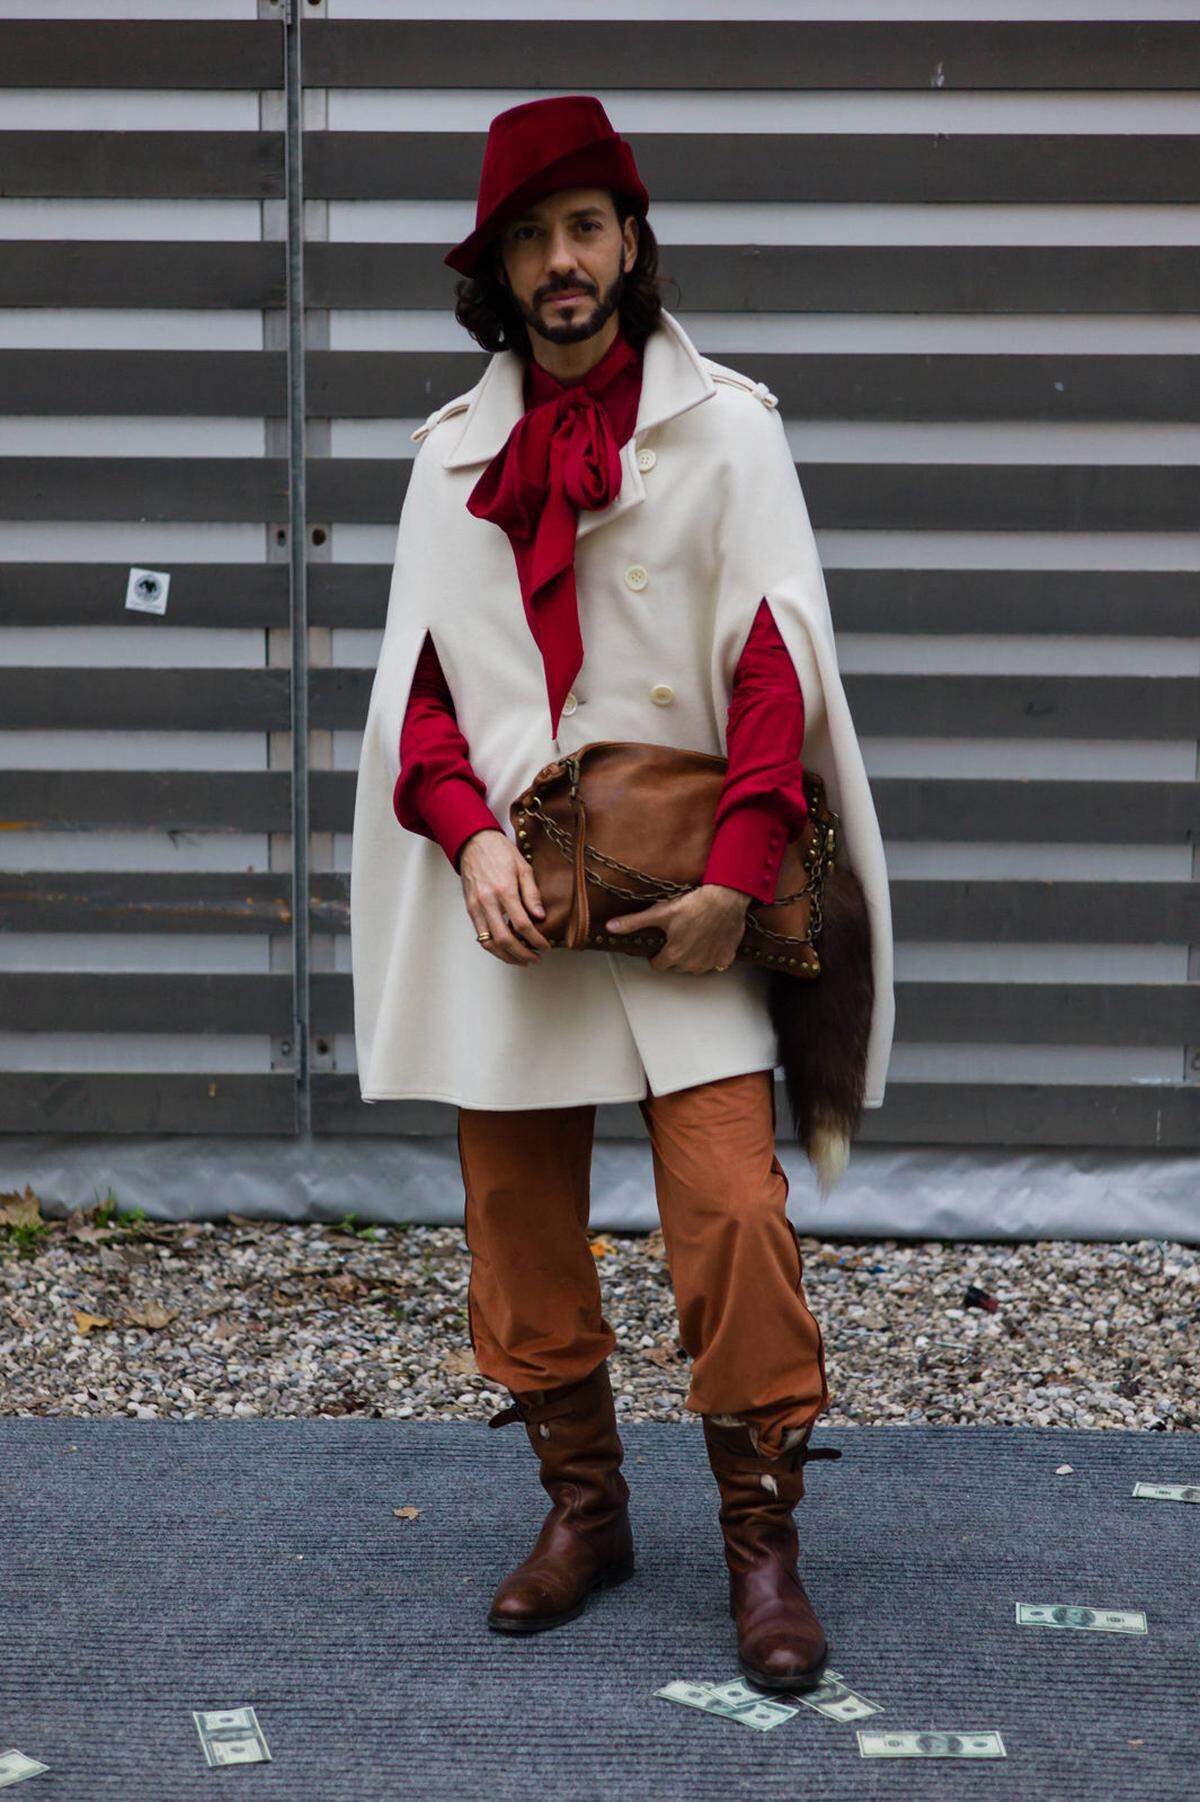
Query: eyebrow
[{"x": 579, "y": 212}]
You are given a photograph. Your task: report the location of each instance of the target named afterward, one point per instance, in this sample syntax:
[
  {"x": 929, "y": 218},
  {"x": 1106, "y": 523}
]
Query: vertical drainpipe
[{"x": 298, "y": 536}]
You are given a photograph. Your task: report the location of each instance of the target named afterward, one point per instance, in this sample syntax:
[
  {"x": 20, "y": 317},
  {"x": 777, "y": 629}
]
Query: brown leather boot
[
  {"x": 585, "y": 1542},
  {"x": 781, "y": 1644}
]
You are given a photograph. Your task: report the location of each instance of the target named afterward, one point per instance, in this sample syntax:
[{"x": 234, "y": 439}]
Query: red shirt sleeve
[
  {"x": 762, "y": 804},
  {"x": 437, "y": 793}
]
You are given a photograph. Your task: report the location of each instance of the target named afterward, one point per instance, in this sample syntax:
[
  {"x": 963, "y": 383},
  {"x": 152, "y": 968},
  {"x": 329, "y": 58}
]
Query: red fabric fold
[{"x": 561, "y": 456}]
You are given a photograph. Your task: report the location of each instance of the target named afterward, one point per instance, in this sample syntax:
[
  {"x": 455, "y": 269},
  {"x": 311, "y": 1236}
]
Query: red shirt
[{"x": 560, "y": 456}]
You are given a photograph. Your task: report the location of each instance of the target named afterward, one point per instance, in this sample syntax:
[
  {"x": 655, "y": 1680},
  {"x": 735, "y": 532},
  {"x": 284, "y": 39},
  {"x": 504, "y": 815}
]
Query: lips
[{"x": 574, "y": 294}]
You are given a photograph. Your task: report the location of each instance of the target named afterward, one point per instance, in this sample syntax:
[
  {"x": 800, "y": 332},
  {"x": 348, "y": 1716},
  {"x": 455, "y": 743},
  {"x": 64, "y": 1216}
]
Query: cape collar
[{"x": 674, "y": 380}]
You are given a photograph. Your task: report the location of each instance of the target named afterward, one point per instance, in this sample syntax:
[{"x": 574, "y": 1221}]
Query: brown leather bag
[{"x": 615, "y": 826}]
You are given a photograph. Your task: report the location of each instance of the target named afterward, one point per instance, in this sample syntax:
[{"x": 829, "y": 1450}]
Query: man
[{"x": 640, "y": 558}]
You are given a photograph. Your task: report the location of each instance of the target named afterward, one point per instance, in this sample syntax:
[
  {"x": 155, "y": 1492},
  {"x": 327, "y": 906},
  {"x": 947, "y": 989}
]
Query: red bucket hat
[{"x": 534, "y": 149}]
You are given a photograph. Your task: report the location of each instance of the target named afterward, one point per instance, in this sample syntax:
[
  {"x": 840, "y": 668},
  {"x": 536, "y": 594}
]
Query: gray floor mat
[{"x": 162, "y": 1567}]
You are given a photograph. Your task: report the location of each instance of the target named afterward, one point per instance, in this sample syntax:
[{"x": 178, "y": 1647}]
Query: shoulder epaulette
[
  {"x": 458, "y": 405},
  {"x": 719, "y": 373}
]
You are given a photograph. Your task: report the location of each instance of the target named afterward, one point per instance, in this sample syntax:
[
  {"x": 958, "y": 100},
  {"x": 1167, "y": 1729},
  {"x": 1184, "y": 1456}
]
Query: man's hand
[
  {"x": 704, "y": 928},
  {"x": 497, "y": 881}
]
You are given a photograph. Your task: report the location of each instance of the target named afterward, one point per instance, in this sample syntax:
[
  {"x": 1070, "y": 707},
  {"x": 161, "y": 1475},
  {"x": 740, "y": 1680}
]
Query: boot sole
[
  {"x": 797, "y": 1683},
  {"x": 542, "y": 1623}
]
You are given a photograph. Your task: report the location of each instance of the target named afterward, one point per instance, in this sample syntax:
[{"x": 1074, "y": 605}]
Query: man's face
[{"x": 565, "y": 262}]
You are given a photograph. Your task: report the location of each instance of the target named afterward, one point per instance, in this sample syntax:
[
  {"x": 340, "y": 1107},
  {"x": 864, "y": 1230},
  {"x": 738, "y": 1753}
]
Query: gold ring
[
  {"x": 482, "y": 935},
  {"x": 720, "y": 966}
]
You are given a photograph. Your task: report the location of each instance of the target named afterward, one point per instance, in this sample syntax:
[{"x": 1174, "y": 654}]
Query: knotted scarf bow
[{"x": 561, "y": 455}]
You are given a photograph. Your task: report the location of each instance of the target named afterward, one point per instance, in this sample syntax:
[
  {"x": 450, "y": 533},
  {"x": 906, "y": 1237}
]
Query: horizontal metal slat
[
  {"x": 114, "y": 1103},
  {"x": 943, "y": 809},
  {"x": 929, "y": 497},
  {"x": 951, "y": 706},
  {"x": 974, "y": 911},
  {"x": 828, "y": 54},
  {"x": 145, "y": 1001},
  {"x": 916, "y": 168},
  {"x": 1001, "y": 1012},
  {"x": 1160, "y": 1117},
  {"x": 933, "y": 385},
  {"x": 970, "y": 279},
  {"x": 1083, "y": 602},
  {"x": 142, "y": 165},
  {"x": 699, "y": 54},
  {"x": 142, "y": 53},
  {"x": 206, "y": 277}
]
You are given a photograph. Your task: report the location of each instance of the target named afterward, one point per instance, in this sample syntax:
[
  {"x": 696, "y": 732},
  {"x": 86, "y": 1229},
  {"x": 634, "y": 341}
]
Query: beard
[{"x": 574, "y": 331}]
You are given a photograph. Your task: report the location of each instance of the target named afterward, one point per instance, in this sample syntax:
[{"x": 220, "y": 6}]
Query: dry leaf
[
  {"x": 80, "y": 1227},
  {"x": 20, "y": 1210},
  {"x": 660, "y": 1354},
  {"x": 600, "y": 1248},
  {"x": 460, "y": 1363},
  {"x": 346, "y": 1286},
  {"x": 85, "y": 1322},
  {"x": 151, "y": 1314},
  {"x": 409, "y": 1513}
]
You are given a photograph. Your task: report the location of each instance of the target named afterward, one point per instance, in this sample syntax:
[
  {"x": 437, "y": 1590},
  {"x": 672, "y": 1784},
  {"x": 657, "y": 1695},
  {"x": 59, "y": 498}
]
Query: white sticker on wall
[{"x": 147, "y": 590}]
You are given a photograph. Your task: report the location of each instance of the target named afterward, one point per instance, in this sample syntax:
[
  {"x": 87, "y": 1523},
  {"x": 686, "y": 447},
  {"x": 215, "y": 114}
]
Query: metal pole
[{"x": 298, "y": 583}]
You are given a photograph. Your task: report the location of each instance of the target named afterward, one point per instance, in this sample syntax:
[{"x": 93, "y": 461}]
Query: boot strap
[{"x": 537, "y": 1412}]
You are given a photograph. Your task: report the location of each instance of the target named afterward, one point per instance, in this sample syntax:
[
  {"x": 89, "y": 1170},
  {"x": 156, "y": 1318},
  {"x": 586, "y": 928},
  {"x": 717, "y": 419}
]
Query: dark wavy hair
[{"x": 484, "y": 307}]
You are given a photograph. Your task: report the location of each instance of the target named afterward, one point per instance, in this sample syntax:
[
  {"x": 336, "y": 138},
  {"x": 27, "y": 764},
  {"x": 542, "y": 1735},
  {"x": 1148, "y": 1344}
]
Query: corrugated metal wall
[{"x": 963, "y": 254}]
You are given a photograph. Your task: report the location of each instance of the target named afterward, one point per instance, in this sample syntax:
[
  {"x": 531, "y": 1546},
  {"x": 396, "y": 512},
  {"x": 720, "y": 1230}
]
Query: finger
[
  {"x": 521, "y": 923},
  {"x": 530, "y": 894},
  {"x": 504, "y": 941}
]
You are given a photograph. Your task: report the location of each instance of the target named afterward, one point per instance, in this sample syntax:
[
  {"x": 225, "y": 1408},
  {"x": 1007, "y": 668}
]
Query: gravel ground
[{"x": 104, "y": 1314}]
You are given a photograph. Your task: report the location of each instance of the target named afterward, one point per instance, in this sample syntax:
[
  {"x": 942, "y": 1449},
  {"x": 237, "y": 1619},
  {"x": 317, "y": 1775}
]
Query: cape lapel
[{"x": 674, "y": 380}]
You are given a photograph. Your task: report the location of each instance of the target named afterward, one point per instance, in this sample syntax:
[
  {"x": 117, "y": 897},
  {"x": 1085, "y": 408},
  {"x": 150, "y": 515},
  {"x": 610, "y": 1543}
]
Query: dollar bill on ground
[
  {"x": 734, "y": 1701},
  {"x": 930, "y": 1745},
  {"x": 834, "y": 1698},
  {"x": 1168, "y": 1492},
  {"x": 230, "y": 1735},
  {"x": 15, "y": 1765},
  {"x": 1087, "y": 1620}
]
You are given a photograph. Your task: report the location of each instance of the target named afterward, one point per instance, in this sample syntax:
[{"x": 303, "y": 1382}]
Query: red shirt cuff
[
  {"x": 747, "y": 850},
  {"x": 453, "y": 809}
]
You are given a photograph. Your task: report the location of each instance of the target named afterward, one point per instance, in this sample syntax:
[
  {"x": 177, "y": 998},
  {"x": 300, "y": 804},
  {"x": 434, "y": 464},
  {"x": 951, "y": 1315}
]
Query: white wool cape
[{"x": 710, "y": 512}]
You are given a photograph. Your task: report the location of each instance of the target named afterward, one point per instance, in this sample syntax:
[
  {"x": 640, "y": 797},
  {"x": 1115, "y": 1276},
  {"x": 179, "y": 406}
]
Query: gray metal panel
[
  {"x": 975, "y": 279},
  {"x": 240, "y": 700},
  {"x": 141, "y": 1001},
  {"x": 936, "y": 385},
  {"x": 971, "y": 912},
  {"x": 1003, "y": 1013},
  {"x": 941, "y": 809},
  {"x": 1128, "y": 602},
  {"x": 202, "y": 594},
  {"x": 970, "y": 279},
  {"x": 143, "y": 165},
  {"x": 115, "y": 1103},
  {"x": 142, "y": 53},
  {"x": 146, "y": 383},
  {"x": 208, "y": 277},
  {"x": 718, "y": 55},
  {"x": 935, "y": 168},
  {"x": 695, "y": 54},
  {"x": 874, "y": 497},
  {"x": 1162, "y": 1116}
]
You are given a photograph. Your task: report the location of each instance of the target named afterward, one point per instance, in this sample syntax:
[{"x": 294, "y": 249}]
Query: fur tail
[{"x": 822, "y": 1025}]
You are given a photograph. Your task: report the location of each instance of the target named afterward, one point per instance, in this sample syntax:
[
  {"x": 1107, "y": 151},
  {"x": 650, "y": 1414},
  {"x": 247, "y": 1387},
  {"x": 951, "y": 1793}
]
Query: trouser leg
[
  {"x": 533, "y": 1297},
  {"x": 734, "y": 1257}
]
